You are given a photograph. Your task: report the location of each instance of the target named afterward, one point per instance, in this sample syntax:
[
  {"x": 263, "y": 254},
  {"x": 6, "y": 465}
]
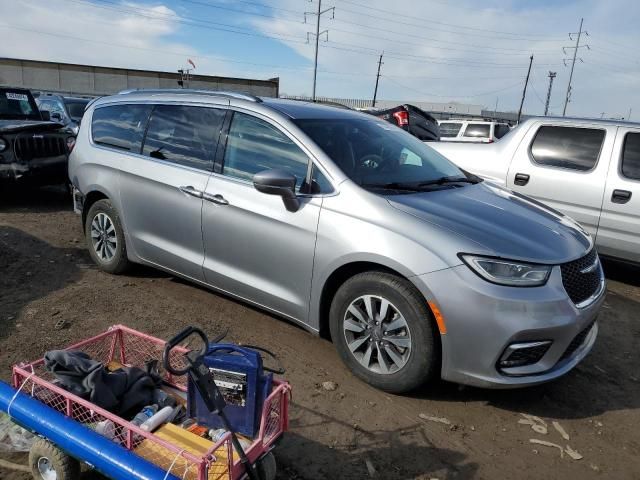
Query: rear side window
[
  {"x": 631, "y": 156},
  {"x": 500, "y": 130},
  {"x": 120, "y": 126},
  {"x": 450, "y": 129},
  {"x": 567, "y": 147},
  {"x": 478, "y": 130},
  {"x": 184, "y": 135},
  {"x": 254, "y": 145}
]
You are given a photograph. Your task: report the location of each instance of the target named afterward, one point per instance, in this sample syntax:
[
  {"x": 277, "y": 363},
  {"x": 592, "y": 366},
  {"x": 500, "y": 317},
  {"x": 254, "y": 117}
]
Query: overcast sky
[{"x": 435, "y": 50}]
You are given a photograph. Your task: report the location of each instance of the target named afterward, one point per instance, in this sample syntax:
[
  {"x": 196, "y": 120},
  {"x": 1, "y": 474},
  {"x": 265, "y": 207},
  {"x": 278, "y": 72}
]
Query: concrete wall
[{"x": 96, "y": 81}]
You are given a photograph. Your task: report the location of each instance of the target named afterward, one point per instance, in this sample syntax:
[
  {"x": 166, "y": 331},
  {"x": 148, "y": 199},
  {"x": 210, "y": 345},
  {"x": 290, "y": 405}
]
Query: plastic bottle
[
  {"x": 217, "y": 434},
  {"x": 145, "y": 414},
  {"x": 156, "y": 420},
  {"x": 106, "y": 428}
]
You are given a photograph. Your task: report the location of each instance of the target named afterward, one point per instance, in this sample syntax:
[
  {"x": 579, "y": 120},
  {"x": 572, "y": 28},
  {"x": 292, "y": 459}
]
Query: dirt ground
[{"x": 354, "y": 431}]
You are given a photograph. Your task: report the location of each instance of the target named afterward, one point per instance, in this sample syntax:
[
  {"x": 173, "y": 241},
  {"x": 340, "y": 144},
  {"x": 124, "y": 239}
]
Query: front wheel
[
  {"x": 48, "y": 462},
  {"x": 384, "y": 332}
]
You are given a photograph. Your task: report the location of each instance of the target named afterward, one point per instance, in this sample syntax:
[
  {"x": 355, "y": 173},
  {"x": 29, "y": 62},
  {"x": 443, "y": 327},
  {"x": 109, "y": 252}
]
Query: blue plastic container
[{"x": 239, "y": 375}]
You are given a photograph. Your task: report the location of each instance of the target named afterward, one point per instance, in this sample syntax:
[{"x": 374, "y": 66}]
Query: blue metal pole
[{"x": 75, "y": 439}]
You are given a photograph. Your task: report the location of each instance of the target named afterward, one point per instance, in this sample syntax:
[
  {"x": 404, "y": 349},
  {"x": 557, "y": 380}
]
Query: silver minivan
[{"x": 345, "y": 224}]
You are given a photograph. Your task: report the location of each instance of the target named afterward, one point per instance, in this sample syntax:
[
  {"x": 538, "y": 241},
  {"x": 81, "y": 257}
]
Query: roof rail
[{"x": 186, "y": 91}]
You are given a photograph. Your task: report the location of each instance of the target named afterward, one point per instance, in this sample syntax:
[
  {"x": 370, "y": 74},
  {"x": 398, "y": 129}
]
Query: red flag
[{"x": 191, "y": 62}]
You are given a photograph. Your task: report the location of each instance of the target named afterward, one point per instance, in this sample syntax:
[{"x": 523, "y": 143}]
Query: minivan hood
[{"x": 507, "y": 224}]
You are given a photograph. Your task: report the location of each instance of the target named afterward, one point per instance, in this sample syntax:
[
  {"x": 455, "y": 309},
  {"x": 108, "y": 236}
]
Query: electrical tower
[
  {"x": 552, "y": 75},
  {"x": 375, "y": 91},
  {"x": 573, "y": 61},
  {"x": 318, "y": 14},
  {"x": 524, "y": 92}
]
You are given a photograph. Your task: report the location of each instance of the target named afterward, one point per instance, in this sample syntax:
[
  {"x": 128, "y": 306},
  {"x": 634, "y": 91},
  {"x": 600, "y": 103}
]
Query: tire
[
  {"x": 407, "y": 322},
  {"x": 49, "y": 462},
  {"x": 108, "y": 251},
  {"x": 266, "y": 467}
]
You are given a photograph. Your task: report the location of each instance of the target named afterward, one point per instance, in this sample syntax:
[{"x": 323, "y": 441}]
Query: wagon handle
[{"x": 173, "y": 343}]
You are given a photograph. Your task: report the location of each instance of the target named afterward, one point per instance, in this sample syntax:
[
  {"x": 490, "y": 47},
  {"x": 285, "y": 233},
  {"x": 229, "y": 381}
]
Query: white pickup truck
[{"x": 587, "y": 169}]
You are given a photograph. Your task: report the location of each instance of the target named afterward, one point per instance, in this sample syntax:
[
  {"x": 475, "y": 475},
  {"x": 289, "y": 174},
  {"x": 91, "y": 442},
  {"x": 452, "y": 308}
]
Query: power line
[
  {"x": 318, "y": 15},
  {"x": 425, "y": 20},
  {"x": 452, "y": 96},
  {"x": 573, "y": 63}
]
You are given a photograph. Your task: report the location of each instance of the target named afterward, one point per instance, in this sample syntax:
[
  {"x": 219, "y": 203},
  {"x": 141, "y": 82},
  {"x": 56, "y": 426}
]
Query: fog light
[{"x": 523, "y": 354}]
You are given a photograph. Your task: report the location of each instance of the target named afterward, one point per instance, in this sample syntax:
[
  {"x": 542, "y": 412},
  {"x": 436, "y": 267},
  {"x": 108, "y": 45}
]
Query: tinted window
[
  {"x": 373, "y": 153},
  {"x": 320, "y": 183},
  {"x": 76, "y": 108},
  {"x": 120, "y": 126},
  {"x": 500, "y": 130},
  {"x": 184, "y": 135},
  {"x": 52, "y": 106},
  {"x": 631, "y": 156},
  {"x": 567, "y": 147},
  {"x": 253, "y": 145},
  {"x": 477, "y": 130},
  {"x": 449, "y": 129}
]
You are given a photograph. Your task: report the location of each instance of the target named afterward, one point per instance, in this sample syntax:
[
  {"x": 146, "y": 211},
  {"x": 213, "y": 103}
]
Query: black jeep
[{"x": 33, "y": 149}]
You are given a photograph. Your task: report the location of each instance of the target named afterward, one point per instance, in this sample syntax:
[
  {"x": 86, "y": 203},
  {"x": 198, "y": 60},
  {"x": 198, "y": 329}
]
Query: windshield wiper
[
  {"x": 408, "y": 187},
  {"x": 446, "y": 180}
]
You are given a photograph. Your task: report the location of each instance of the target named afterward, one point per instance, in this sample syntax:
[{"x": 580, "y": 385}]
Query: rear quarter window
[
  {"x": 571, "y": 148},
  {"x": 450, "y": 129},
  {"x": 120, "y": 126},
  {"x": 477, "y": 130},
  {"x": 631, "y": 156}
]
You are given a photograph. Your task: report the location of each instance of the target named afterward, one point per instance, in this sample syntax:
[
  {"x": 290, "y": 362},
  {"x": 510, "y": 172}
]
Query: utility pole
[
  {"x": 629, "y": 115},
  {"x": 318, "y": 14},
  {"x": 573, "y": 62},
  {"x": 552, "y": 75},
  {"x": 524, "y": 92},
  {"x": 495, "y": 109},
  {"x": 375, "y": 91}
]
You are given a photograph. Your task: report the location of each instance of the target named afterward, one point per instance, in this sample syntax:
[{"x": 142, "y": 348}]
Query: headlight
[
  {"x": 3, "y": 144},
  {"x": 507, "y": 272}
]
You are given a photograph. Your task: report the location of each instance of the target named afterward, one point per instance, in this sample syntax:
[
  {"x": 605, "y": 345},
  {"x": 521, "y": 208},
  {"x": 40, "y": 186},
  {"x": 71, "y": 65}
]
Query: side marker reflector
[{"x": 439, "y": 318}]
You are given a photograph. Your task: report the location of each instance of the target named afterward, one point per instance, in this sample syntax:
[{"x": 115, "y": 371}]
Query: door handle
[
  {"x": 189, "y": 190},
  {"x": 620, "y": 196},
  {"x": 521, "y": 179},
  {"x": 217, "y": 198}
]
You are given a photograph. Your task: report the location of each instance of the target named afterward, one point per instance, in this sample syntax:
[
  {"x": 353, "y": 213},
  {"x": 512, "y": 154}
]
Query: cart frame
[{"x": 129, "y": 347}]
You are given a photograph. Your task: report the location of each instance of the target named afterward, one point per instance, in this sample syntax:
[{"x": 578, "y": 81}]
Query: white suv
[{"x": 471, "y": 131}]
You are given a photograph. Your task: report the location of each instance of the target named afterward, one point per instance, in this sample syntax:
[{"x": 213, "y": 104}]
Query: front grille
[
  {"x": 30, "y": 146},
  {"x": 525, "y": 356},
  {"x": 577, "y": 341},
  {"x": 579, "y": 283}
]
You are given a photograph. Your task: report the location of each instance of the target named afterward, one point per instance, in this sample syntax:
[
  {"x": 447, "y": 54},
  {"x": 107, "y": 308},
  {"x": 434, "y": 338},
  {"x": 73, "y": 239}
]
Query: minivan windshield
[{"x": 380, "y": 156}]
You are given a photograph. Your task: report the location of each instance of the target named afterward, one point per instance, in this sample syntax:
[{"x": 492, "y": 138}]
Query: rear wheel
[
  {"x": 105, "y": 237},
  {"x": 48, "y": 462},
  {"x": 383, "y": 331}
]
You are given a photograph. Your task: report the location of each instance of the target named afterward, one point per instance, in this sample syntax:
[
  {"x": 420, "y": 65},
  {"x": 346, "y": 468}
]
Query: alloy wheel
[
  {"x": 103, "y": 237},
  {"x": 377, "y": 334}
]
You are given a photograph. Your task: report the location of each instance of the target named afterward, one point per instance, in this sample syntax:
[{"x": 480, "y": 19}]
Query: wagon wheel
[
  {"x": 266, "y": 467},
  {"x": 48, "y": 462}
]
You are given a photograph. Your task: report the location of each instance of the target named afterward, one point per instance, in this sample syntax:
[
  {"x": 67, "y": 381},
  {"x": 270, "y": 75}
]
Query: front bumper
[
  {"x": 483, "y": 319},
  {"x": 50, "y": 170}
]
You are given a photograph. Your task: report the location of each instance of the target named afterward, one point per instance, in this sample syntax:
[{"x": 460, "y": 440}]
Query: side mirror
[
  {"x": 278, "y": 182},
  {"x": 56, "y": 116},
  {"x": 46, "y": 115}
]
